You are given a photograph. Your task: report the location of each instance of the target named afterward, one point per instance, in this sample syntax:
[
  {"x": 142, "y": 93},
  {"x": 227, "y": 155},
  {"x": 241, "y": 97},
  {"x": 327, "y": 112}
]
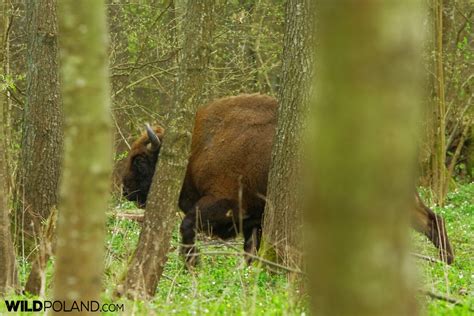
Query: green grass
[
  {"x": 225, "y": 285},
  {"x": 456, "y": 280},
  {"x": 220, "y": 285}
]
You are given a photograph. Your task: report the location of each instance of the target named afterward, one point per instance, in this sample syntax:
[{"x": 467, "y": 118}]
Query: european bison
[{"x": 226, "y": 177}]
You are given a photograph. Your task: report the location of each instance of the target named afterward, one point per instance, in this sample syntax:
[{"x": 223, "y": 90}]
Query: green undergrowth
[
  {"x": 220, "y": 284},
  {"x": 223, "y": 284},
  {"x": 457, "y": 280}
]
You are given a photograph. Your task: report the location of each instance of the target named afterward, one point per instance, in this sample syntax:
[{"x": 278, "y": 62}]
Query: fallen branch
[
  {"x": 260, "y": 259},
  {"x": 130, "y": 216},
  {"x": 263, "y": 260},
  {"x": 445, "y": 298},
  {"x": 426, "y": 258}
]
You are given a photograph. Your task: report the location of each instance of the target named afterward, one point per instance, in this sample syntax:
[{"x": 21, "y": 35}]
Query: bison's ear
[{"x": 155, "y": 142}]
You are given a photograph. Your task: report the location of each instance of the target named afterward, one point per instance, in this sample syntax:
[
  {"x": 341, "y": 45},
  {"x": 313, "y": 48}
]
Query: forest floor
[
  {"x": 457, "y": 280},
  {"x": 225, "y": 285}
]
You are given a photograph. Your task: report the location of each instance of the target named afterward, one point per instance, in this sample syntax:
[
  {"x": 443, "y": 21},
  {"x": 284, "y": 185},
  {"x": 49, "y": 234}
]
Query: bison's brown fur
[
  {"x": 140, "y": 168},
  {"x": 226, "y": 177}
]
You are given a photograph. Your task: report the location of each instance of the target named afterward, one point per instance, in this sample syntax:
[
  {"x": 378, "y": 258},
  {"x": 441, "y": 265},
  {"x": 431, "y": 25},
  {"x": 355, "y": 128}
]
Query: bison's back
[{"x": 231, "y": 147}]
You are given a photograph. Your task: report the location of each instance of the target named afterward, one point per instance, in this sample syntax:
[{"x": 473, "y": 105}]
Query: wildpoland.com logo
[{"x": 61, "y": 306}]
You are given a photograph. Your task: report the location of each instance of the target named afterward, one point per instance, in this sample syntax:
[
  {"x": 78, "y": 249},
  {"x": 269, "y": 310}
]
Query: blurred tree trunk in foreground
[
  {"x": 282, "y": 226},
  {"x": 149, "y": 258},
  {"x": 88, "y": 151},
  {"x": 363, "y": 158},
  {"x": 8, "y": 272},
  {"x": 41, "y": 148}
]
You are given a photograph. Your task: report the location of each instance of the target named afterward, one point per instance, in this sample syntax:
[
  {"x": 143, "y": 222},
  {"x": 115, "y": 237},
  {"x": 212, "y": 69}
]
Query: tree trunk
[
  {"x": 438, "y": 156},
  {"x": 470, "y": 154},
  {"x": 149, "y": 258},
  {"x": 8, "y": 272},
  {"x": 7, "y": 20},
  {"x": 88, "y": 151},
  {"x": 42, "y": 137},
  {"x": 283, "y": 209},
  {"x": 362, "y": 162}
]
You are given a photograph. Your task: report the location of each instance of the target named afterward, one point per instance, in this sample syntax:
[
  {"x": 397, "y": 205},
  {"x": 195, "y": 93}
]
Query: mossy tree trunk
[
  {"x": 7, "y": 20},
  {"x": 41, "y": 148},
  {"x": 149, "y": 258},
  {"x": 362, "y": 158},
  {"x": 8, "y": 272},
  {"x": 283, "y": 209},
  {"x": 87, "y": 163}
]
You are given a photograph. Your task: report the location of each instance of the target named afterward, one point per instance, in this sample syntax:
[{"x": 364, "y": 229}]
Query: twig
[
  {"x": 263, "y": 260},
  {"x": 158, "y": 17},
  {"x": 173, "y": 280},
  {"x": 457, "y": 152},
  {"x": 11, "y": 96},
  {"x": 445, "y": 298},
  {"x": 260, "y": 259},
  {"x": 120, "y": 131},
  {"x": 427, "y": 258},
  {"x": 135, "y": 66},
  {"x": 137, "y": 82},
  {"x": 466, "y": 17},
  {"x": 455, "y": 128}
]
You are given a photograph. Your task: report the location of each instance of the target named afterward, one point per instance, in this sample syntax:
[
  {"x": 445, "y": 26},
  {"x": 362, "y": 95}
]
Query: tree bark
[
  {"x": 148, "y": 261},
  {"x": 7, "y": 20},
  {"x": 8, "y": 271},
  {"x": 362, "y": 162},
  {"x": 88, "y": 151},
  {"x": 41, "y": 147},
  {"x": 282, "y": 223},
  {"x": 470, "y": 155},
  {"x": 438, "y": 157}
]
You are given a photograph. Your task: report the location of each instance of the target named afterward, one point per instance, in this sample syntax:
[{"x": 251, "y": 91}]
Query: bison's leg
[
  {"x": 213, "y": 216},
  {"x": 188, "y": 235},
  {"x": 252, "y": 237},
  {"x": 188, "y": 195},
  {"x": 432, "y": 226}
]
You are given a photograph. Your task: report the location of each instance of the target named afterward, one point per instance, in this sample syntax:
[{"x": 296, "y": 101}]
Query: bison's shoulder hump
[{"x": 240, "y": 106}]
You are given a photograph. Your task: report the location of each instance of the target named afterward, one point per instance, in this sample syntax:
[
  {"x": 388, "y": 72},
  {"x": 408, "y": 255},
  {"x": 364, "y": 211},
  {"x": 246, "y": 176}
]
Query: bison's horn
[{"x": 154, "y": 140}]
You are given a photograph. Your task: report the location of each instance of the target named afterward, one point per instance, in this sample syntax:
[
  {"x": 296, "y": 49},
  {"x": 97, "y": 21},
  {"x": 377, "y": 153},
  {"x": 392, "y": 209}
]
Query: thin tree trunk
[
  {"x": 6, "y": 106},
  {"x": 88, "y": 151},
  {"x": 470, "y": 154},
  {"x": 283, "y": 209},
  {"x": 149, "y": 258},
  {"x": 438, "y": 158},
  {"x": 363, "y": 157},
  {"x": 8, "y": 271},
  {"x": 41, "y": 150}
]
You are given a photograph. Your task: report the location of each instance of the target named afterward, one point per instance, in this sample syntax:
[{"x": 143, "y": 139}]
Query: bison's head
[{"x": 141, "y": 164}]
